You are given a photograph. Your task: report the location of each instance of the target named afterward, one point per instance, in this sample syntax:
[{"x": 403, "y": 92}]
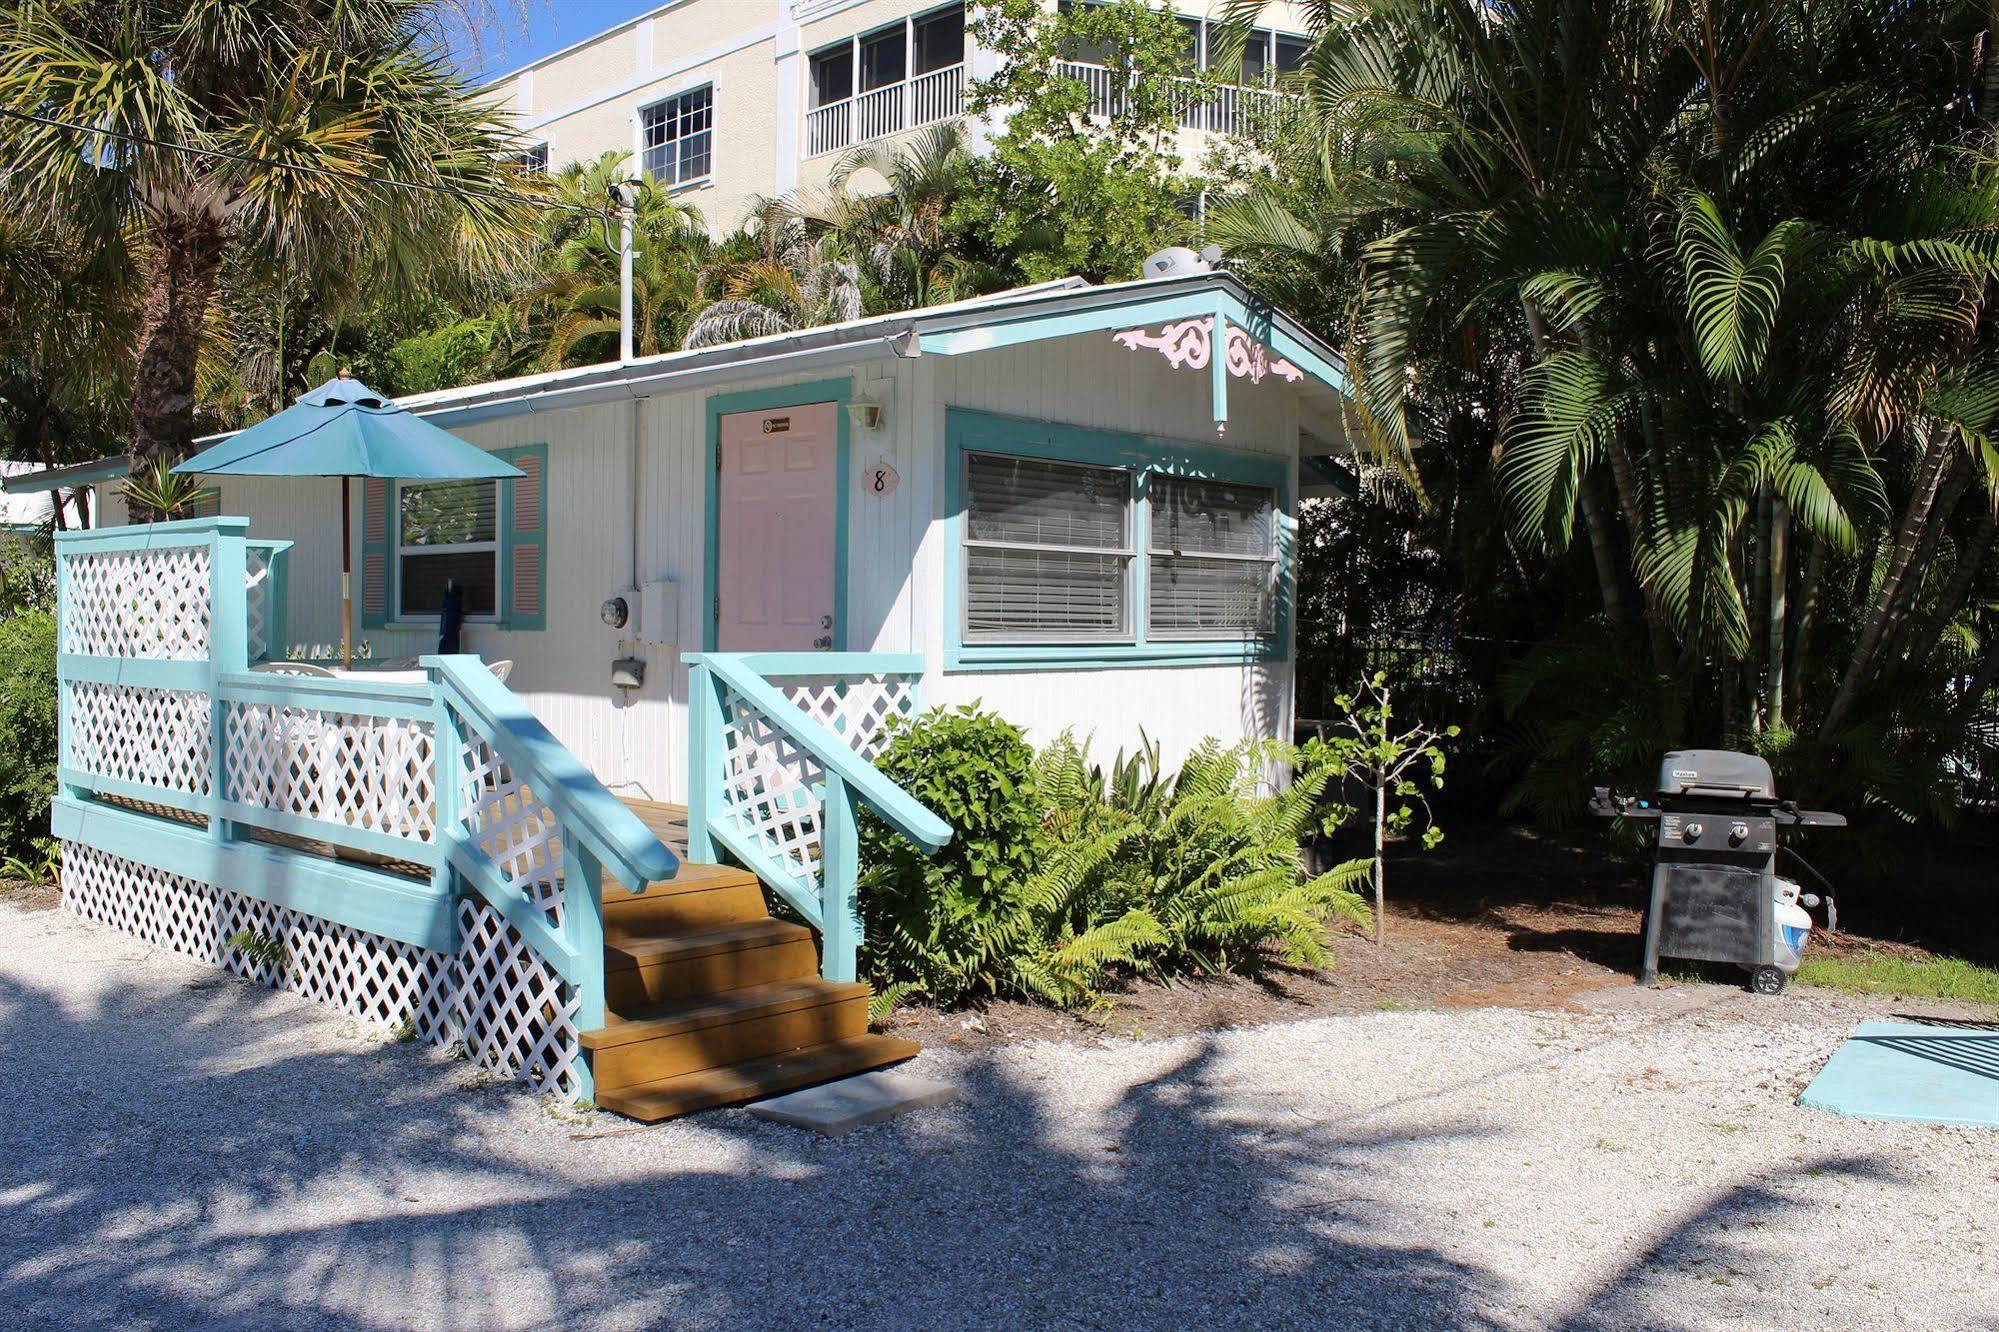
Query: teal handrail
[
  {"x": 851, "y": 781},
  {"x": 615, "y": 836},
  {"x": 895, "y": 806}
]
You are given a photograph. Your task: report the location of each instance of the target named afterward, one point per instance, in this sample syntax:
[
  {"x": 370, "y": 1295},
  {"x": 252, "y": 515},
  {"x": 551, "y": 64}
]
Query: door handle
[
  {"x": 824, "y": 642},
  {"x": 825, "y": 622}
]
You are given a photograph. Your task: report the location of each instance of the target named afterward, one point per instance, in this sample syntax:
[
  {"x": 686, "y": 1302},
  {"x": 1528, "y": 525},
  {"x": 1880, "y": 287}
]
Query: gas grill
[{"x": 1716, "y": 896}]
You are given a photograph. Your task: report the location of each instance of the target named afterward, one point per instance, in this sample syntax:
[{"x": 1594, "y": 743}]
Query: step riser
[
  {"x": 669, "y": 913},
  {"x": 630, "y": 988},
  {"x": 728, "y": 1043},
  {"x": 731, "y": 1086}
]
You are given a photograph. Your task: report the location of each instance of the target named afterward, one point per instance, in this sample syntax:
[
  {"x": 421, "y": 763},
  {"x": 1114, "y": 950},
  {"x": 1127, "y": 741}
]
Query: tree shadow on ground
[
  {"x": 166, "y": 1165},
  {"x": 165, "y": 1162}
]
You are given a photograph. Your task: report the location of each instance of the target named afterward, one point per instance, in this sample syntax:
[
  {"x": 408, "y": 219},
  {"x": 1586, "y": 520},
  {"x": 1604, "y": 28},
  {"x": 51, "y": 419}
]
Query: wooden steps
[{"x": 711, "y": 1002}]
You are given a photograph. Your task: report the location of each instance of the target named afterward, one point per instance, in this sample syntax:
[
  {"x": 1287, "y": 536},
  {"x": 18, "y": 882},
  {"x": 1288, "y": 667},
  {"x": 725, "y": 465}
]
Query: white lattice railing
[
  {"x": 782, "y": 758},
  {"x": 439, "y": 857}
]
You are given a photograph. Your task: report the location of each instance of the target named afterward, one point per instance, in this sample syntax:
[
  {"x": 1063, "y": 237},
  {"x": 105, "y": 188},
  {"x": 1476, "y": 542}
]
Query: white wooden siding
[{"x": 635, "y": 741}]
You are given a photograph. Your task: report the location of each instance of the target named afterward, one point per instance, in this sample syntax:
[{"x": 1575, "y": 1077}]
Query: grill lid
[{"x": 1722, "y": 772}]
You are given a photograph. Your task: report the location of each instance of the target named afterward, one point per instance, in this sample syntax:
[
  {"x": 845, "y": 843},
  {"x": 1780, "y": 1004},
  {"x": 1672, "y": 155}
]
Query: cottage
[{"x": 716, "y": 575}]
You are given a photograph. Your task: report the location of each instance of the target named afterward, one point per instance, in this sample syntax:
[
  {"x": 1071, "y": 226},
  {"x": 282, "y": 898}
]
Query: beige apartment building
[{"x": 728, "y": 101}]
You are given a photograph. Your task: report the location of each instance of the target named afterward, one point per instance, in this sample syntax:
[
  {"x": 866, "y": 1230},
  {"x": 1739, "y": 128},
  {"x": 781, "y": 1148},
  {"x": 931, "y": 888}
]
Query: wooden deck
[{"x": 667, "y": 822}]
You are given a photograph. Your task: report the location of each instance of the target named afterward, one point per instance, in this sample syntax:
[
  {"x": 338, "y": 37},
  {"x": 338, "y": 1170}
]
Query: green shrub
[
  {"x": 1063, "y": 877},
  {"x": 27, "y": 729},
  {"x": 924, "y": 917}
]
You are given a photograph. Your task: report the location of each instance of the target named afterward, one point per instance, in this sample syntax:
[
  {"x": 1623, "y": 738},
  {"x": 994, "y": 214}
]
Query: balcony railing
[
  {"x": 880, "y": 112},
  {"x": 1230, "y": 109}
]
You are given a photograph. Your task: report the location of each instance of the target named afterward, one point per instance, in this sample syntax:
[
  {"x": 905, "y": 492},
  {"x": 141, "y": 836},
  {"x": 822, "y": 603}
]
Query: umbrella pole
[{"x": 346, "y": 576}]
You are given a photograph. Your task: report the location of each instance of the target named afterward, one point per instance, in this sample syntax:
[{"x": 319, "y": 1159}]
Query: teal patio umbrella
[{"x": 344, "y": 428}]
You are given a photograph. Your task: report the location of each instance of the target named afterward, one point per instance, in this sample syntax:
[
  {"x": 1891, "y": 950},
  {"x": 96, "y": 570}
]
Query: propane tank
[{"x": 1794, "y": 925}]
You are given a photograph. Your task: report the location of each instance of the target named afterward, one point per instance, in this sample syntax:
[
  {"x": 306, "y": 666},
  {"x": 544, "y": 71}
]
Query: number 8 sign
[{"x": 882, "y": 478}]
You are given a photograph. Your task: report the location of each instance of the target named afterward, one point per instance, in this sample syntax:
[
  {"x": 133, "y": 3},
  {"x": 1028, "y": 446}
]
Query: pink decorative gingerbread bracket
[{"x": 1189, "y": 343}]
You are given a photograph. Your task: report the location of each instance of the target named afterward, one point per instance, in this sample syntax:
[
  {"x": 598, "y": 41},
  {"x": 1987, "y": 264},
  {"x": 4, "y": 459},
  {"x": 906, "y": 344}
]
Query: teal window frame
[
  {"x": 968, "y": 432},
  {"x": 838, "y": 392}
]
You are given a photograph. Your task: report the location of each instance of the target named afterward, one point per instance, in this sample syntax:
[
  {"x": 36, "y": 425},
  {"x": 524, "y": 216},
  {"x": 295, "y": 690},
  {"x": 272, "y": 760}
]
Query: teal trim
[
  {"x": 705, "y": 721},
  {"x": 347, "y": 894},
  {"x": 753, "y": 858},
  {"x": 512, "y": 539},
  {"x": 406, "y": 702},
  {"x": 277, "y": 606},
  {"x": 1257, "y": 319},
  {"x": 583, "y": 924},
  {"x": 82, "y": 779},
  {"x": 969, "y": 431},
  {"x": 839, "y": 863},
  {"x": 590, "y": 815},
  {"x": 427, "y": 854},
  {"x": 149, "y": 536},
  {"x": 780, "y": 664},
  {"x": 139, "y": 672},
  {"x": 836, "y": 391},
  {"x": 1218, "y": 362}
]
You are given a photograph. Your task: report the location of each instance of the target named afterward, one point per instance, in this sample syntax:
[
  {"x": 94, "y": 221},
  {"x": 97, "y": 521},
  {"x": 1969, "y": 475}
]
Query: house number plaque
[{"x": 882, "y": 478}]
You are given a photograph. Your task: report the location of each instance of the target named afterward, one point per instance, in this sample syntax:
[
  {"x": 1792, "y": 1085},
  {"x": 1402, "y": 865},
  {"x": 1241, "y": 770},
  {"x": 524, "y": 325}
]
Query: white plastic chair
[
  {"x": 294, "y": 668},
  {"x": 500, "y": 669}
]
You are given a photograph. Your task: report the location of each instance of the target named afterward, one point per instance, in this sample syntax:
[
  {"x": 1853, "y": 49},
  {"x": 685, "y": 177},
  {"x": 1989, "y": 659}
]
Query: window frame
[
  {"x": 659, "y": 106},
  {"x": 849, "y": 48},
  {"x": 398, "y": 550},
  {"x": 969, "y": 432},
  {"x": 1154, "y": 552}
]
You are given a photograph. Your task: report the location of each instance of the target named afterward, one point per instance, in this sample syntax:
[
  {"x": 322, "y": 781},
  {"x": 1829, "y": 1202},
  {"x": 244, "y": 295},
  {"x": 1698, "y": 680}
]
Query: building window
[
  {"x": 447, "y": 533},
  {"x": 1212, "y": 559},
  {"x": 896, "y": 78},
  {"x": 677, "y": 138},
  {"x": 1047, "y": 551},
  {"x": 531, "y": 161}
]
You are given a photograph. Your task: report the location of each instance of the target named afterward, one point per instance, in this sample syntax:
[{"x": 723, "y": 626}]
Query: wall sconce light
[{"x": 867, "y": 413}]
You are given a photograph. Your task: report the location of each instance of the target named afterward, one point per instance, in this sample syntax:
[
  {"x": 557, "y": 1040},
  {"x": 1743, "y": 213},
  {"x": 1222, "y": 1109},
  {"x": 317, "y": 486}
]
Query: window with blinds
[
  {"x": 1212, "y": 559},
  {"x": 448, "y": 533},
  {"x": 1048, "y": 551}
]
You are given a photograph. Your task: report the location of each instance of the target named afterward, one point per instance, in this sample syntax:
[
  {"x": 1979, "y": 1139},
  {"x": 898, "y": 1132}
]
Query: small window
[
  {"x": 678, "y": 135},
  {"x": 884, "y": 58},
  {"x": 833, "y": 75},
  {"x": 447, "y": 533},
  {"x": 1291, "y": 53},
  {"x": 939, "y": 40},
  {"x": 531, "y": 161},
  {"x": 1212, "y": 553},
  {"x": 1047, "y": 551}
]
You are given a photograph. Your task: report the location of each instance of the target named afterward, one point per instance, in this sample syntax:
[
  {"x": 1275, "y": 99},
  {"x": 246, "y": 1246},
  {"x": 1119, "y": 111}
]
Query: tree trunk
[
  {"x": 183, "y": 263},
  {"x": 1969, "y": 561},
  {"x": 1774, "y": 636},
  {"x": 1380, "y": 860},
  {"x": 1801, "y": 634},
  {"x": 1952, "y": 490},
  {"x": 1908, "y": 536},
  {"x": 1607, "y": 583}
]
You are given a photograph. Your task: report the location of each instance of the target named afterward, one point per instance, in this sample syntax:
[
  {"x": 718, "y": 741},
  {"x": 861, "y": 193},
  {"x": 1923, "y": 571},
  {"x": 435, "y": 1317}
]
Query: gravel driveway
[{"x": 180, "y": 1148}]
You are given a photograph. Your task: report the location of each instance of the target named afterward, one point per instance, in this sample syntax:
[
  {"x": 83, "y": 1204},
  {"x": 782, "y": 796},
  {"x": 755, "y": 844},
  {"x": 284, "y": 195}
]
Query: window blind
[
  {"x": 1047, "y": 551},
  {"x": 1213, "y": 559},
  {"x": 450, "y": 513}
]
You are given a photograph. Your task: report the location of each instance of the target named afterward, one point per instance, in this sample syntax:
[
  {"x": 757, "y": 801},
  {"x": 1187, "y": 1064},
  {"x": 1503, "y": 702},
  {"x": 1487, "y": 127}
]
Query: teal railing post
[
  {"x": 583, "y": 926},
  {"x": 839, "y": 879},
  {"x": 228, "y": 653},
  {"x": 704, "y": 760}
]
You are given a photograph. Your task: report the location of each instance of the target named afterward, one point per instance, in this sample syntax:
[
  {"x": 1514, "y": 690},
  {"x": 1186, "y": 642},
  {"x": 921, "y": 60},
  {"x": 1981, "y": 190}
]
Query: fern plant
[{"x": 1073, "y": 876}]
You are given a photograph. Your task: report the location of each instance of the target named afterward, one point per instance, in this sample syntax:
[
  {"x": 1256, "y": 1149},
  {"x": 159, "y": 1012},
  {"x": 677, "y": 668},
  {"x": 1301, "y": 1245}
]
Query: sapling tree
[{"x": 1393, "y": 760}]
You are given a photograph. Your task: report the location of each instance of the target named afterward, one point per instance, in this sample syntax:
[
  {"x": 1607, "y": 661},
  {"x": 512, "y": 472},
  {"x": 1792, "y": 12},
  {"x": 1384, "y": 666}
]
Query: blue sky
[{"x": 537, "y": 27}]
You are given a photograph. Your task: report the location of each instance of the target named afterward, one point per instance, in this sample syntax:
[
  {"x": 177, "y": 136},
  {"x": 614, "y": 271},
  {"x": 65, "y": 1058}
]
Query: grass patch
[{"x": 1903, "y": 977}]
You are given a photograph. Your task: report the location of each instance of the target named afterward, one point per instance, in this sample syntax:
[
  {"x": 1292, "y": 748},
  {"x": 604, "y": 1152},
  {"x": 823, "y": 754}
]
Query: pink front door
[{"x": 778, "y": 545}]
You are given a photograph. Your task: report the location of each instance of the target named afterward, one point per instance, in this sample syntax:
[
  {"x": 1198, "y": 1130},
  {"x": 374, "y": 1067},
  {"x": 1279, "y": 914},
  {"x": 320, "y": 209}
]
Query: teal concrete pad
[{"x": 1912, "y": 1074}]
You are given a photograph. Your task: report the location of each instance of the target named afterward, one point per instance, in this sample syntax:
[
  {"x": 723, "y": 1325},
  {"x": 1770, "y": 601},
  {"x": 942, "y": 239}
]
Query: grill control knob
[
  {"x": 1738, "y": 833},
  {"x": 1693, "y": 832}
]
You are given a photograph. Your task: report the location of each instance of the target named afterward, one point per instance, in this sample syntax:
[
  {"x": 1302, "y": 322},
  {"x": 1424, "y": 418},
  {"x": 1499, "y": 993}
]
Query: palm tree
[
  {"x": 900, "y": 234},
  {"x": 574, "y": 305},
  {"x": 774, "y": 276},
  {"x": 1715, "y": 279},
  {"x": 216, "y": 124}
]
